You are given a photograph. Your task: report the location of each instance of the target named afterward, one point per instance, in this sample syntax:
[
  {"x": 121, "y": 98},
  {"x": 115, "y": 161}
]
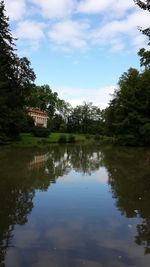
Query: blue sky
[{"x": 79, "y": 47}]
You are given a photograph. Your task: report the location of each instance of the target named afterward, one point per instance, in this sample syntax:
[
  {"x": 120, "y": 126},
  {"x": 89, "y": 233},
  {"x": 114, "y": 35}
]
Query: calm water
[{"x": 72, "y": 206}]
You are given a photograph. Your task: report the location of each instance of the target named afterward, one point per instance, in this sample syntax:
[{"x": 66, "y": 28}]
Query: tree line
[
  {"x": 126, "y": 120},
  {"x": 128, "y": 116}
]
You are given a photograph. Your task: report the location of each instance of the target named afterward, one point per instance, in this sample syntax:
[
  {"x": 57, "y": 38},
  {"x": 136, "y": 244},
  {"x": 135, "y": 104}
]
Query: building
[
  {"x": 40, "y": 117},
  {"x": 38, "y": 161}
]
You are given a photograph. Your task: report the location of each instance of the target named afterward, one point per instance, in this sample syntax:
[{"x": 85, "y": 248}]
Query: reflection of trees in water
[
  {"x": 143, "y": 237},
  {"x": 61, "y": 159},
  {"x": 23, "y": 172},
  {"x": 129, "y": 177},
  {"x": 85, "y": 159},
  {"x": 15, "y": 197},
  {"x": 15, "y": 205}
]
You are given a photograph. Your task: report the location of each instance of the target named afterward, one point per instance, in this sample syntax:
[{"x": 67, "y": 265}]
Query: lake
[{"x": 75, "y": 205}]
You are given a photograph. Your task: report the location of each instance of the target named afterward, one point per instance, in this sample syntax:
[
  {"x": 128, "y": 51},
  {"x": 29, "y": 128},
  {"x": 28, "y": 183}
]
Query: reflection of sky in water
[
  {"x": 100, "y": 176},
  {"x": 75, "y": 223},
  {"x": 74, "y": 220}
]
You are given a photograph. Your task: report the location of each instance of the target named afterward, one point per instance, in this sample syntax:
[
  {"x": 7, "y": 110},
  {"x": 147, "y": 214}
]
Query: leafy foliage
[
  {"x": 40, "y": 132},
  {"x": 146, "y": 6},
  {"x": 86, "y": 119},
  {"x": 71, "y": 139},
  {"x": 16, "y": 78},
  {"x": 128, "y": 115},
  {"x": 62, "y": 139}
]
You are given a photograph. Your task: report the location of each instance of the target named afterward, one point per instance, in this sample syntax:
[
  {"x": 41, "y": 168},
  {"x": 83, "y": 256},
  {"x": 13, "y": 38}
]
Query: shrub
[
  {"x": 145, "y": 133},
  {"x": 71, "y": 139},
  {"x": 88, "y": 136},
  {"x": 62, "y": 139},
  {"x": 108, "y": 140},
  {"x": 4, "y": 140},
  {"x": 40, "y": 132},
  {"x": 127, "y": 140},
  {"x": 27, "y": 124},
  {"x": 97, "y": 137},
  {"x": 43, "y": 141}
]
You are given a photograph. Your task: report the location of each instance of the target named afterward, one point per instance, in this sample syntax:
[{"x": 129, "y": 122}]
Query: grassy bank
[{"x": 27, "y": 139}]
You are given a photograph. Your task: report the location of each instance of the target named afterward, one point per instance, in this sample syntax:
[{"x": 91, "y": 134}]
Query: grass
[
  {"x": 28, "y": 139},
  {"x": 54, "y": 137}
]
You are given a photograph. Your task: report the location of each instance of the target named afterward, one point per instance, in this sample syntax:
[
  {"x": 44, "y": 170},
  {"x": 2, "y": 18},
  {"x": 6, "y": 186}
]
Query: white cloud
[
  {"x": 120, "y": 8},
  {"x": 30, "y": 30},
  {"x": 68, "y": 33},
  {"x": 98, "y": 96},
  {"x": 30, "y": 33},
  {"x": 16, "y": 9},
  {"x": 139, "y": 41},
  {"x": 117, "y": 33},
  {"x": 101, "y": 96},
  {"x": 98, "y": 6},
  {"x": 93, "y": 6},
  {"x": 117, "y": 27},
  {"x": 55, "y": 8}
]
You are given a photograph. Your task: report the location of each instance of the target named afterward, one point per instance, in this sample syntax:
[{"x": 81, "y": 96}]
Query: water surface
[{"x": 75, "y": 205}]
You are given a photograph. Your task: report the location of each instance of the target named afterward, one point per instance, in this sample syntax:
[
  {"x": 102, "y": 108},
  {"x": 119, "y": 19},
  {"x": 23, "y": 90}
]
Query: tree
[
  {"x": 143, "y": 4},
  {"x": 43, "y": 98},
  {"x": 128, "y": 115},
  {"x": 144, "y": 58},
  {"x": 16, "y": 78},
  {"x": 146, "y": 6},
  {"x": 60, "y": 118},
  {"x": 58, "y": 110},
  {"x": 85, "y": 118}
]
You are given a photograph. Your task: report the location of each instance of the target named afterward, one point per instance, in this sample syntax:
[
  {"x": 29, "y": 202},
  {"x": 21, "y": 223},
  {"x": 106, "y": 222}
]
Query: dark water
[{"x": 72, "y": 206}]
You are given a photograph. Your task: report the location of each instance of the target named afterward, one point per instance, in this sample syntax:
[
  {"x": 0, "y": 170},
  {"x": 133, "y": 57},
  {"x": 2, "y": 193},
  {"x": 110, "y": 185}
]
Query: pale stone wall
[{"x": 40, "y": 117}]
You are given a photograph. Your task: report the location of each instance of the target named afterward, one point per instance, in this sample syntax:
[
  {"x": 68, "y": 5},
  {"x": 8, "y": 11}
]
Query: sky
[{"x": 79, "y": 47}]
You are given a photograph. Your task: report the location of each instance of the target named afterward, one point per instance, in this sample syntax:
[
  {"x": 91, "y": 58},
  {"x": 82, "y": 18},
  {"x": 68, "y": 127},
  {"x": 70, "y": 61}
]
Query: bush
[
  {"x": 145, "y": 133},
  {"x": 43, "y": 142},
  {"x": 108, "y": 140},
  {"x": 4, "y": 140},
  {"x": 40, "y": 132},
  {"x": 97, "y": 137},
  {"x": 104, "y": 139},
  {"x": 127, "y": 140},
  {"x": 71, "y": 139},
  {"x": 88, "y": 136},
  {"x": 62, "y": 139}
]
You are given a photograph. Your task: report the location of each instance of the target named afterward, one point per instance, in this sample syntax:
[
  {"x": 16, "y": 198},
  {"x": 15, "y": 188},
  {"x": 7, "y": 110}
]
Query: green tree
[
  {"x": 128, "y": 115},
  {"x": 146, "y": 6},
  {"x": 144, "y": 58},
  {"x": 109, "y": 118},
  {"x": 16, "y": 78},
  {"x": 143, "y": 4},
  {"x": 85, "y": 118},
  {"x": 43, "y": 98}
]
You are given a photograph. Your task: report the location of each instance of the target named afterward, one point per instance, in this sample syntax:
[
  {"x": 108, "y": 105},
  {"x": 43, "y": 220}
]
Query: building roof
[{"x": 37, "y": 111}]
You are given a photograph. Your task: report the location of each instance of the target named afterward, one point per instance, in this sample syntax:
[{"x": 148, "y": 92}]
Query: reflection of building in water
[
  {"x": 38, "y": 161},
  {"x": 40, "y": 117}
]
